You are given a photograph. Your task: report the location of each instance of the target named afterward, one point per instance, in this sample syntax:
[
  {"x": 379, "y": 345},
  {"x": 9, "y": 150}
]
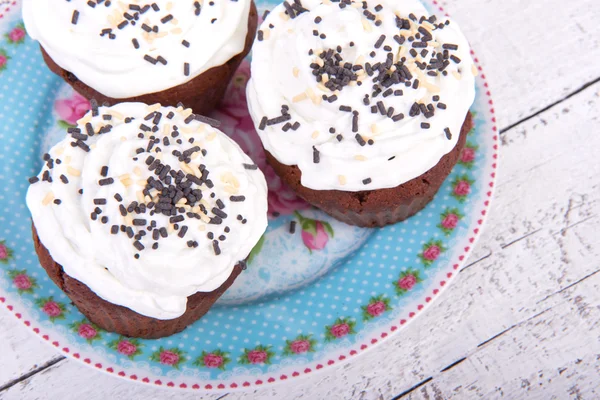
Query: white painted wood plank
[
  {"x": 554, "y": 355},
  {"x": 535, "y": 52},
  {"x": 554, "y": 197},
  {"x": 20, "y": 350}
]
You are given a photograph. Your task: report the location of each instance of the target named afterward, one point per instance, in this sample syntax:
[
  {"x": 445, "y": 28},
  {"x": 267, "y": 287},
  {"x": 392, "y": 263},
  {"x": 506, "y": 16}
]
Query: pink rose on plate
[
  {"x": 300, "y": 346},
  {"x": 340, "y": 330},
  {"x": 376, "y": 309},
  {"x": 3, "y": 61},
  {"x": 462, "y": 188},
  {"x": 127, "y": 348},
  {"x": 468, "y": 155},
  {"x": 3, "y": 252},
  {"x": 315, "y": 233},
  {"x": 285, "y": 202},
  {"x": 73, "y": 109},
  {"x": 52, "y": 309},
  {"x": 22, "y": 282},
  {"x": 407, "y": 282},
  {"x": 432, "y": 252},
  {"x": 16, "y": 35},
  {"x": 87, "y": 331},
  {"x": 169, "y": 358},
  {"x": 257, "y": 356},
  {"x": 281, "y": 198},
  {"x": 316, "y": 240},
  {"x": 450, "y": 221},
  {"x": 213, "y": 361},
  {"x": 341, "y": 327}
]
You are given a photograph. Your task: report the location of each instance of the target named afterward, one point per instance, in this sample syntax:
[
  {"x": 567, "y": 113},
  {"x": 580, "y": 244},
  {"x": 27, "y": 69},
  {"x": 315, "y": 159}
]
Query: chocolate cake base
[
  {"x": 122, "y": 320},
  {"x": 380, "y": 207},
  {"x": 202, "y": 94}
]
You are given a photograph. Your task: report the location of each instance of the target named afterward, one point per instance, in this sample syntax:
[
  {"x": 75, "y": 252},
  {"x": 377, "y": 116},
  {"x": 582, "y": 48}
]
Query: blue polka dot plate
[{"x": 316, "y": 292}]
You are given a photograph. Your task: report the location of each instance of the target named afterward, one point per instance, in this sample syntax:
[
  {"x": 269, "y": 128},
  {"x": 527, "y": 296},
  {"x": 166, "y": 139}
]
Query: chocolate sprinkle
[
  {"x": 182, "y": 231},
  {"x": 106, "y": 181},
  {"x": 216, "y": 248},
  {"x": 360, "y": 139}
]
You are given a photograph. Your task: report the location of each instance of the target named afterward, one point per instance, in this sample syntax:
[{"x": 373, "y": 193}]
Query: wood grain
[{"x": 523, "y": 318}]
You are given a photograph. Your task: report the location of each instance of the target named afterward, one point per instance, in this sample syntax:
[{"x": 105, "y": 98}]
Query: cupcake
[
  {"x": 144, "y": 215},
  {"x": 157, "y": 52},
  {"x": 362, "y": 106}
]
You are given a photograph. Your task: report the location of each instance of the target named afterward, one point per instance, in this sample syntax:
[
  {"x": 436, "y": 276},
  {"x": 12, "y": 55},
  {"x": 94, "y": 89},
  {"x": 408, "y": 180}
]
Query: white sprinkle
[
  {"x": 48, "y": 198},
  {"x": 300, "y": 97},
  {"x": 153, "y": 107},
  {"x": 85, "y": 119},
  {"x": 73, "y": 171}
]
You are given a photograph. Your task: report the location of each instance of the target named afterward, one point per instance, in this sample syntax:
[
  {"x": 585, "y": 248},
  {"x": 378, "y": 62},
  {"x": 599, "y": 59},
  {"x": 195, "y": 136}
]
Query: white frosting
[
  {"x": 282, "y": 75},
  {"x": 114, "y": 67},
  {"x": 157, "y": 283}
]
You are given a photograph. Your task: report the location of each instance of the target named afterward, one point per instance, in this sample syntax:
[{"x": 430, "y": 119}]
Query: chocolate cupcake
[
  {"x": 144, "y": 215},
  {"x": 158, "y": 52},
  {"x": 362, "y": 106}
]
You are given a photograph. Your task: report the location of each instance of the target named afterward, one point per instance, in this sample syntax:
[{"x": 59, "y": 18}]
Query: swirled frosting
[
  {"x": 147, "y": 205},
  {"x": 125, "y": 49},
  {"x": 360, "y": 95}
]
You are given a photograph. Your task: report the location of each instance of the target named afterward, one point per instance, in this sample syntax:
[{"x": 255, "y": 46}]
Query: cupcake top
[
  {"x": 147, "y": 205},
  {"x": 125, "y": 49},
  {"x": 360, "y": 95}
]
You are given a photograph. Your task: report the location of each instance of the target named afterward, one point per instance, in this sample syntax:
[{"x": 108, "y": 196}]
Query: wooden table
[{"x": 523, "y": 317}]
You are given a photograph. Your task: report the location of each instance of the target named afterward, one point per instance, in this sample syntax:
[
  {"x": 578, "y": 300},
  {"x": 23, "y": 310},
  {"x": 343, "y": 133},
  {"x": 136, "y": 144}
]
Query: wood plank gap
[
  {"x": 418, "y": 385},
  {"x": 543, "y": 110},
  {"x": 519, "y": 239},
  {"x": 563, "y": 231},
  {"x": 477, "y": 261},
  {"x": 512, "y": 327},
  {"x": 31, "y": 373},
  {"x": 569, "y": 286},
  {"x": 454, "y": 364}
]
